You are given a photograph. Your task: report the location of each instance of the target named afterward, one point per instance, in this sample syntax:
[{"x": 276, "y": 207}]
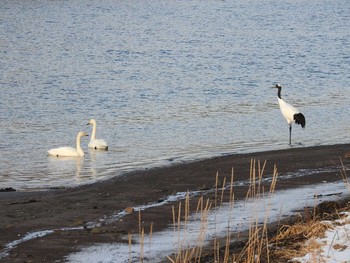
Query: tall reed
[{"x": 257, "y": 243}]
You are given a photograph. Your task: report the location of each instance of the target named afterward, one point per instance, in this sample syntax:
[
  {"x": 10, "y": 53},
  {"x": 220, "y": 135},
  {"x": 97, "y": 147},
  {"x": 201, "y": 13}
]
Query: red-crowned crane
[{"x": 290, "y": 113}]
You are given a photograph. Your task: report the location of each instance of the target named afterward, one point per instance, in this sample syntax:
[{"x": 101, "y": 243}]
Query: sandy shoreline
[{"x": 23, "y": 212}]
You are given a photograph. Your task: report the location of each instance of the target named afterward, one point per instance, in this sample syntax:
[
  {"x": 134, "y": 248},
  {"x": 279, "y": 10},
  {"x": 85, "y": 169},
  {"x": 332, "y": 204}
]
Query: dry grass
[
  {"x": 299, "y": 239},
  {"x": 289, "y": 242},
  {"x": 258, "y": 238},
  {"x": 191, "y": 254},
  {"x": 257, "y": 247}
]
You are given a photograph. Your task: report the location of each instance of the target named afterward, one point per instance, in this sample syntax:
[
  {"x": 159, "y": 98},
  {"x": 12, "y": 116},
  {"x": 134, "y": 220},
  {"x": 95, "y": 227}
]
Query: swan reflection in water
[
  {"x": 66, "y": 167},
  {"x": 98, "y": 162},
  {"x": 71, "y": 171}
]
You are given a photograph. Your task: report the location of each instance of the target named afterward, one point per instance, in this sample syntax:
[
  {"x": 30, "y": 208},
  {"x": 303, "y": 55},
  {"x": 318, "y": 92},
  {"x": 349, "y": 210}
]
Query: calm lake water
[{"x": 167, "y": 81}]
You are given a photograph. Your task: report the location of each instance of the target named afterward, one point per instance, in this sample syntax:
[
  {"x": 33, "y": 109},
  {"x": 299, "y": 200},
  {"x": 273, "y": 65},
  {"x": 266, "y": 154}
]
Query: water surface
[{"x": 167, "y": 81}]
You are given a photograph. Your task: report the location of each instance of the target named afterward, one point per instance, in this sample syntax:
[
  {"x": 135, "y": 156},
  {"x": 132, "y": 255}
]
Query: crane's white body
[
  {"x": 69, "y": 151},
  {"x": 97, "y": 144},
  {"x": 287, "y": 110}
]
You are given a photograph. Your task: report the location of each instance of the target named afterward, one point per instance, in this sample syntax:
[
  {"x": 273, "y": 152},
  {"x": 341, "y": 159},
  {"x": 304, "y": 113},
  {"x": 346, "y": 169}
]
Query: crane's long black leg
[{"x": 290, "y": 134}]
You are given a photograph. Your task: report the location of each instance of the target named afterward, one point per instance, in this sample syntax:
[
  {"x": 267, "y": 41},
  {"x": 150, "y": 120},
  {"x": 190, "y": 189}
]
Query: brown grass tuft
[
  {"x": 302, "y": 231},
  {"x": 299, "y": 239}
]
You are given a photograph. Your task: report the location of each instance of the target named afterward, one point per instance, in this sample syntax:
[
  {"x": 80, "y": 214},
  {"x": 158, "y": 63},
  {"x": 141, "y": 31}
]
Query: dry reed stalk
[
  {"x": 174, "y": 228},
  {"x": 307, "y": 215},
  {"x": 204, "y": 226},
  {"x": 216, "y": 189},
  {"x": 186, "y": 214},
  {"x": 174, "y": 216},
  {"x": 141, "y": 237},
  {"x": 150, "y": 236},
  {"x": 142, "y": 244},
  {"x": 199, "y": 206},
  {"x": 227, "y": 246},
  {"x": 196, "y": 251},
  {"x": 215, "y": 250},
  {"x": 222, "y": 191},
  {"x": 171, "y": 260},
  {"x": 216, "y": 199},
  {"x": 232, "y": 197},
  {"x": 190, "y": 254},
  {"x": 181, "y": 254},
  {"x": 178, "y": 235},
  {"x": 267, "y": 245},
  {"x": 261, "y": 173},
  {"x": 129, "y": 239},
  {"x": 218, "y": 251},
  {"x": 252, "y": 243},
  {"x": 247, "y": 254},
  {"x": 251, "y": 180},
  {"x": 186, "y": 221},
  {"x": 187, "y": 208},
  {"x": 314, "y": 210},
  {"x": 265, "y": 238},
  {"x": 258, "y": 242},
  {"x": 140, "y": 225},
  {"x": 274, "y": 179},
  {"x": 228, "y": 237},
  {"x": 257, "y": 170},
  {"x": 344, "y": 175}
]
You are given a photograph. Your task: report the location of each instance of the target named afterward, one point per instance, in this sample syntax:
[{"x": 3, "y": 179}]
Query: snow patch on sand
[
  {"x": 217, "y": 223},
  {"x": 335, "y": 246}
]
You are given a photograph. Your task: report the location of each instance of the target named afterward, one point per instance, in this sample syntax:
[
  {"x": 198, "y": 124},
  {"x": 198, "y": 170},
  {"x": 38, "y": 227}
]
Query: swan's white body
[
  {"x": 69, "y": 151},
  {"x": 97, "y": 144}
]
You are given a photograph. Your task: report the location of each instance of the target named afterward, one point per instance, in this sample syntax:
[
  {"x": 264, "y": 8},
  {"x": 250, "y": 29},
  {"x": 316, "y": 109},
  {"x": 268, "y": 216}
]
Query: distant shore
[{"x": 23, "y": 212}]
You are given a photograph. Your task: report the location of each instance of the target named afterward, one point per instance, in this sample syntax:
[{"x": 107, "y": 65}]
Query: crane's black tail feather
[{"x": 299, "y": 118}]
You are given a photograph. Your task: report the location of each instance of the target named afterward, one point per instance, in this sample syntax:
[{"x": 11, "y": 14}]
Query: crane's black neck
[{"x": 279, "y": 91}]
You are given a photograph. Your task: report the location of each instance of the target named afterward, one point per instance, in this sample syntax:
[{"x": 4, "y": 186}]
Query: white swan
[
  {"x": 97, "y": 144},
  {"x": 69, "y": 151}
]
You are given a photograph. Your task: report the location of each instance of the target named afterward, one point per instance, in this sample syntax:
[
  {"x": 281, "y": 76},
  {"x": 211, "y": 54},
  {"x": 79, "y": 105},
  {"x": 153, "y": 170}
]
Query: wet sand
[{"x": 23, "y": 212}]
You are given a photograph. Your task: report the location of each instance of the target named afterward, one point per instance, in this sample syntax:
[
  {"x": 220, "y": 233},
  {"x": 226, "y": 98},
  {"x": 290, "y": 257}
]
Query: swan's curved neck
[
  {"x": 93, "y": 134},
  {"x": 79, "y": 149}
]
